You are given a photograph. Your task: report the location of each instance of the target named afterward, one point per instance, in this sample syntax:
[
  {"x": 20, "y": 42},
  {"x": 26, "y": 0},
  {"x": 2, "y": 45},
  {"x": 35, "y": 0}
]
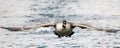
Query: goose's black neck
[{"x": 64, "y": 24}]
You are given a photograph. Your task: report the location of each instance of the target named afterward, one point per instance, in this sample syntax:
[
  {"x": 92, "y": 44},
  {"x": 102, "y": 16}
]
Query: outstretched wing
[
  {"x": 84, "y": 26},
  {"x": 28, "y": 27}
]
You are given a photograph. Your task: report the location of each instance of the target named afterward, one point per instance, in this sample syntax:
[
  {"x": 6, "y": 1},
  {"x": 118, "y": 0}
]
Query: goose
[{"x": 63, "y": 28}]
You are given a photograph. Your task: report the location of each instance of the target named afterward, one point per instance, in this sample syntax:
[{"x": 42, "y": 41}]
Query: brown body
[
  {"x": 61, "y": 28},
  {"x": 63, "y": 31}
]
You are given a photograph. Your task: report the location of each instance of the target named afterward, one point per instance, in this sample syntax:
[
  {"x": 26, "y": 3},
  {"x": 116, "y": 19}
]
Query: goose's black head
[{"x": 64, "y": 24}]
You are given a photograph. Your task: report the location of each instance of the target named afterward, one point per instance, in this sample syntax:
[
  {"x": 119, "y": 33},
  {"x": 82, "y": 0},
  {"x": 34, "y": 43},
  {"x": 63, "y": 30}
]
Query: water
[{"x": 18, "y": 13}]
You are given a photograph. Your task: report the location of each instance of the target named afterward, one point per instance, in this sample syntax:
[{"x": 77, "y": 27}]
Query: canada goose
[{"x": 61, "y": 28}]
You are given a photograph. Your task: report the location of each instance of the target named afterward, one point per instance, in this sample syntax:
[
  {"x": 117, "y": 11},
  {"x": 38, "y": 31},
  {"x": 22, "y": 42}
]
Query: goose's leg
[
  {"x": 70, "y": 34},
  {"x": 57, "y": 34}
]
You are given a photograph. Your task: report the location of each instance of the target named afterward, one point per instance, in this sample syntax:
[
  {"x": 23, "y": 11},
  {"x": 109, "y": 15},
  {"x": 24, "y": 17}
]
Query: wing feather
[
  {"x": 28, "y": 27},
  {"x": 84, "y": 26}
]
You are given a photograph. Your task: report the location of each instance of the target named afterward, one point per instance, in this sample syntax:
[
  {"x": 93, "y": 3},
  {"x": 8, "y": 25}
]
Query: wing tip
[
  {"x": 112, "y": 31},
  {"x": 12, "y": 28}
]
